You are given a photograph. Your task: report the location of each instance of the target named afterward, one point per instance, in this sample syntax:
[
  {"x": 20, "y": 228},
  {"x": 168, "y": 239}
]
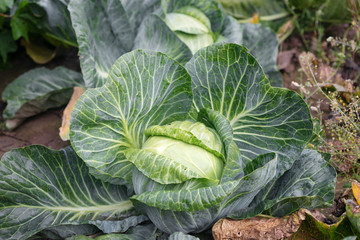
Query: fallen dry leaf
[
  {"x": 258, "y": 227},
  {"x": 286, "y": 29},
  {"x": 355, "y": 186},
  {"x": 302, "y": 225},
  {"x": 38, "y": 52},
  {"x": 284, "y": 60},
  {"x": 324, "y": 75},
  {"x": 255, "y": 18},
  {"x": 64, "y": 129}
]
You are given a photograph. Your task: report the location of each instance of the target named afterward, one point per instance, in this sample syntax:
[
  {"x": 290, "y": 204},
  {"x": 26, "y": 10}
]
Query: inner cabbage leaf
[{"x": 195, "y": 158}]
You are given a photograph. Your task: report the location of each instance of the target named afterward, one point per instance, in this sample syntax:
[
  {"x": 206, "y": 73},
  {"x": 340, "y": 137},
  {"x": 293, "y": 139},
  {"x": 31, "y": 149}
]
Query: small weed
[{"x": 335, "y": 101}]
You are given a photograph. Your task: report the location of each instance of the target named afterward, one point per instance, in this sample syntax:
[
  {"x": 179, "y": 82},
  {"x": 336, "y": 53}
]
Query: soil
[{"x": 42, "y": 129}]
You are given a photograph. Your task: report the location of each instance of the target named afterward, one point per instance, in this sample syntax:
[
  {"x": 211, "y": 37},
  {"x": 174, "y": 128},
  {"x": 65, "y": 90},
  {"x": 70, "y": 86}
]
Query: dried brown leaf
[
  {"x": 64, "y": 129},
  {"x": 258, "y": 227}
]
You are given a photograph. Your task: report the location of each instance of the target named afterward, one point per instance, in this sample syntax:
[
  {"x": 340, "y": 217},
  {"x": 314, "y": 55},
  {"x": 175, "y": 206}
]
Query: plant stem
[{"x": 4, "y": 15}]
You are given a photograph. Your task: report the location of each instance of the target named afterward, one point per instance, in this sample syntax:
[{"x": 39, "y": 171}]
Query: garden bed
[{"x": 322, "y": 83}]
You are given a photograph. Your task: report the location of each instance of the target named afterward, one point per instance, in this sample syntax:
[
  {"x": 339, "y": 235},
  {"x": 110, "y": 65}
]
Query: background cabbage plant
[{"x": 105, "y": 30}]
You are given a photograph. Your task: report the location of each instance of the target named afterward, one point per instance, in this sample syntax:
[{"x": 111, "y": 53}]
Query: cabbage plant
[
  {"x": 242, "y": 155},
  {"x": 180, "y": 145}
]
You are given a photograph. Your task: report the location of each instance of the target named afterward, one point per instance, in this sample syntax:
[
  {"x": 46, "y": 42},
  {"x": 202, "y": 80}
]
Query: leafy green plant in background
[
  {"x": 284, "y": 16},
  {"x": 29, "y": 19},
  {"x": 176, "y": 28},
  {"x": 47, "y": 18},
  {"x": 333, "y": 11},
  {"x": 219, "y": 105},
  {"x": 40, "y": 89},
  {"x": 7, "y": 43}
]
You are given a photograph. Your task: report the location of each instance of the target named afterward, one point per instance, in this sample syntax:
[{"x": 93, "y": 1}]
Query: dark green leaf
[
  {"x": 264, "y": 49},
  {"x": 21, "y": 22},
  {"x": 40, "y": 188},
  {"x": 137, "y": 233},
  {"x": 136, "y": 10},
  {"x": 119, "y": 226},
  {"x": 261, "y": 42},
  {"x": 7, "y": 44},
  {"x": 38, "y": 90},
  {"x": 48, "y": 18},
  {"x": 65, "y": 231},
  {"x": 309, "y": 183},
  {"x": 182, "y": 236}
]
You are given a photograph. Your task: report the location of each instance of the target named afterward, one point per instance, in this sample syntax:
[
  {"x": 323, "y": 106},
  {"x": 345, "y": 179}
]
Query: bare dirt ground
[{"x": 42, "y": 129}]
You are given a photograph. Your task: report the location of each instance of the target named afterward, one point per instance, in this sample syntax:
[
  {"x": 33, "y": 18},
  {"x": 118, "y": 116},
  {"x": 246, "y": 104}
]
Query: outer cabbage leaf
[
  {"x": 102, "y": 36},
  {"x": 264, "y": 49},
  {"x": 136, "y": 10},
  {"x": 182, "y": 236},
  {"x": 144, "y": 89},
  {"x": 309, "y": 183},
  {"x": 38, "y": 90},
  {"x": 227, "y": 79},
  {"x": 140, "y": 232},
  {"x": 261, "y": 42},
  {"x": 155, "y": 35},
  {"x": 106, "y": 226},
  {"x": 40, "y": 188},
  {"x": 64, "y": 231},
  {"x": 118, "y": 226}
]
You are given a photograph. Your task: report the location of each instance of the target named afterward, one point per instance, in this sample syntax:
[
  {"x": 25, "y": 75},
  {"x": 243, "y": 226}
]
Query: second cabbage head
[{"x": 200, "y": 142}]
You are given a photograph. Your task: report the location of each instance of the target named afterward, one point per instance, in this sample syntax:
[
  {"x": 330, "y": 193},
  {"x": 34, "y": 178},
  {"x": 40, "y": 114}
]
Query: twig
[{"x": 4, "y": 15}]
